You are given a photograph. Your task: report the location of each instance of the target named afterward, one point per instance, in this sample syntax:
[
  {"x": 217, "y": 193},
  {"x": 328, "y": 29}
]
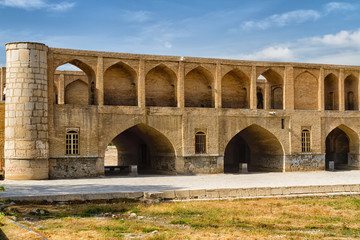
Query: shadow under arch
[
  {"x": 257, "y": 147},
  {"x": 199, "y": 88},
  {"x": 145, "y": 147},
  {"x": 342, "y": 147},
  {"x": 235, "y": 85},
  {"x": 120, "y": 85},
  {"x": 160, "y": 87},
  {"x": 91, "y": 78}
]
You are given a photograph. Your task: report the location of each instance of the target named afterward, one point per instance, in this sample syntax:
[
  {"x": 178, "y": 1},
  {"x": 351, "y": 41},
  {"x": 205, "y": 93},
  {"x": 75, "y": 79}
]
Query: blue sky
[{"x": 277, "y": 30}]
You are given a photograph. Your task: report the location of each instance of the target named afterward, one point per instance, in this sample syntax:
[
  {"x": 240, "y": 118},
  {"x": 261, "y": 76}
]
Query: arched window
[
  {"x": 305, "y": 140},
  {"x": 200, "y": 142},
  {"x": 72, "y": 142}
]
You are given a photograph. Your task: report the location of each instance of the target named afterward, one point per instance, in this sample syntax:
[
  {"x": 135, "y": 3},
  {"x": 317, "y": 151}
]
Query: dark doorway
[
  {"x": 257, "y": 147},
  {"x": 337, "y": 149}
]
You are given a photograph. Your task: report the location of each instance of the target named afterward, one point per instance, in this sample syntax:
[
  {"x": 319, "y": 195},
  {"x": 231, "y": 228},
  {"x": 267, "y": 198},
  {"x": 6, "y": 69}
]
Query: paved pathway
[{"x": 156, "y": 183}]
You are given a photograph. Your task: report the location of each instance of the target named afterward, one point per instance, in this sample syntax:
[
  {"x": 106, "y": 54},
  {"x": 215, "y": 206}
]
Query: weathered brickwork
[
  {"x": 170, "y": 114},
  {"x": 26, "y": 111}
]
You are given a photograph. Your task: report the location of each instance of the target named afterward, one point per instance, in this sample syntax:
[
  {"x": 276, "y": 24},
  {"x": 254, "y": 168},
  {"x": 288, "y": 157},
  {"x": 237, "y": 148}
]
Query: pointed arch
[
  {"x": 160, "y": 87},
  {"x": 90, "y": 78},
  {"x": 257, "y": 147},
  {"x": 272, "y": 89},
  {"x": 77, "y": 93},
  {"x": 235, "y": 89},
  {"x": 331, "y": 92},
  {"x": 351, "y": 93},
  {"x": 120, "y": 85},
  {"x": 342, "y": 147},
  {"x": 199, "y": 88},
  {"x": 306, "y": 91},
  {"x": 146, "y": 147}
]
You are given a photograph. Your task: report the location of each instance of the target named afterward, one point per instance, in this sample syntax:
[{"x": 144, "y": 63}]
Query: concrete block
[
  {"x": 182, "y": 194},
  {"x": 198, "y": 194},
  {"x": 169, "y": 195}
]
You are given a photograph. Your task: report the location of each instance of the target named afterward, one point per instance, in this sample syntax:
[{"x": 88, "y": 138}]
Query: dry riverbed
[{"x": 298, "y": 218}]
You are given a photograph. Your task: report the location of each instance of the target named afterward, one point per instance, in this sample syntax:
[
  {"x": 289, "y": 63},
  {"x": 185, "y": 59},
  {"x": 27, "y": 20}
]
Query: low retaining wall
[{"x": 206, "y": 194}]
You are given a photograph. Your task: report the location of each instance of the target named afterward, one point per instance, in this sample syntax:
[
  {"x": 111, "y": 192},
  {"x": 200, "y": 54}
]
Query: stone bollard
[
  {"x": 331, "y": 166},
  {"x": 243, "y": 168},
  {"x": 133, "y": 170}
]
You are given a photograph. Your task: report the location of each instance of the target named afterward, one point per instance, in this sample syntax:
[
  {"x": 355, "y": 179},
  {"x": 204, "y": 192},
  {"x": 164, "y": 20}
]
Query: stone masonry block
[
  {"x": 182, "y": 194},
  {"x": 198, "y": 194}
]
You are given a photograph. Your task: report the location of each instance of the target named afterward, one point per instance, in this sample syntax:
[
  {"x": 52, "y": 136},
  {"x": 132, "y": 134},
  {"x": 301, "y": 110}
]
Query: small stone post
[
  {"x": 331, "y": 166},
  {"x": 26, "y": 111},
  {"x": 243, "y": 167}
]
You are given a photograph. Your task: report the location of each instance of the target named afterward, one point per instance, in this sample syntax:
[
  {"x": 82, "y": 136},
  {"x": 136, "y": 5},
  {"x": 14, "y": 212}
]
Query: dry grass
[{"x": 303, "y": 218}]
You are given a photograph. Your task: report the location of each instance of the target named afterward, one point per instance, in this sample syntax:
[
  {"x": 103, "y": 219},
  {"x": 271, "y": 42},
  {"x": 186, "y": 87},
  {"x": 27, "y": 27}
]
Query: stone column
[
  {"x": 321, "y": 99},
  {"x": 341, "y": 91},
  {"x": 61, "y": 87},
  {"x": 100, "y": 81},
  {"x": 180, "y": 86},
  {"x": 217, "y": 89},
  {"x": 267, "y": 96},
  {"x": 253, "y": 99},
  {"x": 141, "y": 84},
  {"x": 26, "y": 111},
  {"x": 3, "y": 80},
  {"x": 288, "y": 94}
]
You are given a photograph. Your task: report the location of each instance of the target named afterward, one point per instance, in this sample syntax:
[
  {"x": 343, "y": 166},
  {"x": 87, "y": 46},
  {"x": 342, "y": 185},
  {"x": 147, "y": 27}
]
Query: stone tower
[{"x": 26, "y": 107}]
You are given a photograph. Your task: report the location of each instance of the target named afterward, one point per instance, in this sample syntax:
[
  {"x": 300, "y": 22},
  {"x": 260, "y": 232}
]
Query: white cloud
[
  {"x": 37, "y": 4},
  {"x": 277, "y": 53},
  {"x": 298, "y": 16},
  {"x": 340, "y": 48},
  {"x": 136, "y": 16},
  {"x": 341, "y": 39},
  {"x": 335, "y": 6}
]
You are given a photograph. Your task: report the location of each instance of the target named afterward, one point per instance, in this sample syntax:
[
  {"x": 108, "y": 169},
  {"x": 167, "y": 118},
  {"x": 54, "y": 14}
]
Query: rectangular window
[
  {"x": 72, "y": 143},
  {"x": 305, "y": 140},
  {"x": 200, "y": 143}
]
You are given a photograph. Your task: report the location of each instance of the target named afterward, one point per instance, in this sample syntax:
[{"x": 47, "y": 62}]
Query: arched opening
[
  {"x": 271, "y": 85},
  {"x": 120, "y": 85},
  {"x": 76, "y": 81},
  {"x": 337, "y": 149},
  {"x": 235, "y": 87},
  {"x": 199, "y": 89},
  {"x": 160, "y": 87},
  {"x": 306, "y": 92},
  {"x": 76, "y": 93},
  {"x": 257, "y": 147},
  {"x": 342, "y": 147},
  {"x": 145, "y": 147},
  {"x": 351, "y": 93},
  {"x": 331, "y": 92}
]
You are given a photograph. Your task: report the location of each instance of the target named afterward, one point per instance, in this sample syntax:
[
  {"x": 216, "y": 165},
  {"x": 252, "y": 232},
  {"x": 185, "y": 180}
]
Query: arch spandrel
[
  {"x": 351, "y": 73},
  {"x": 211, "y": 68},
  {"x": 314, "y": 72},
  {"x": 331, "y": 71},
  {"x": 110, "y": 62},
  {"x": 225, "y": 69},
  {"x": 172, "y": 66},
  {"x": 271, "y": 72},
  {"x": 86, "y": 64}
]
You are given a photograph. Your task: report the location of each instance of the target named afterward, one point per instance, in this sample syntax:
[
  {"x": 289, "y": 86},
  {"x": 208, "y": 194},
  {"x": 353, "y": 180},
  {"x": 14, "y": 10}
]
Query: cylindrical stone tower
[{"x": 26, "y": 111}]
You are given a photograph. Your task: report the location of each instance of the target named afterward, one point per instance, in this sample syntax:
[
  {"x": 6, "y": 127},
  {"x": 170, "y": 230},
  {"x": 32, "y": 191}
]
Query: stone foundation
[
  {"x": 203, "y": 164},
  {"x": 354, "y": 160},
  {"x": 75, "y": 167},
  {"x": 304, "y": 162},
  {"x": 23, "y": 169}
]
